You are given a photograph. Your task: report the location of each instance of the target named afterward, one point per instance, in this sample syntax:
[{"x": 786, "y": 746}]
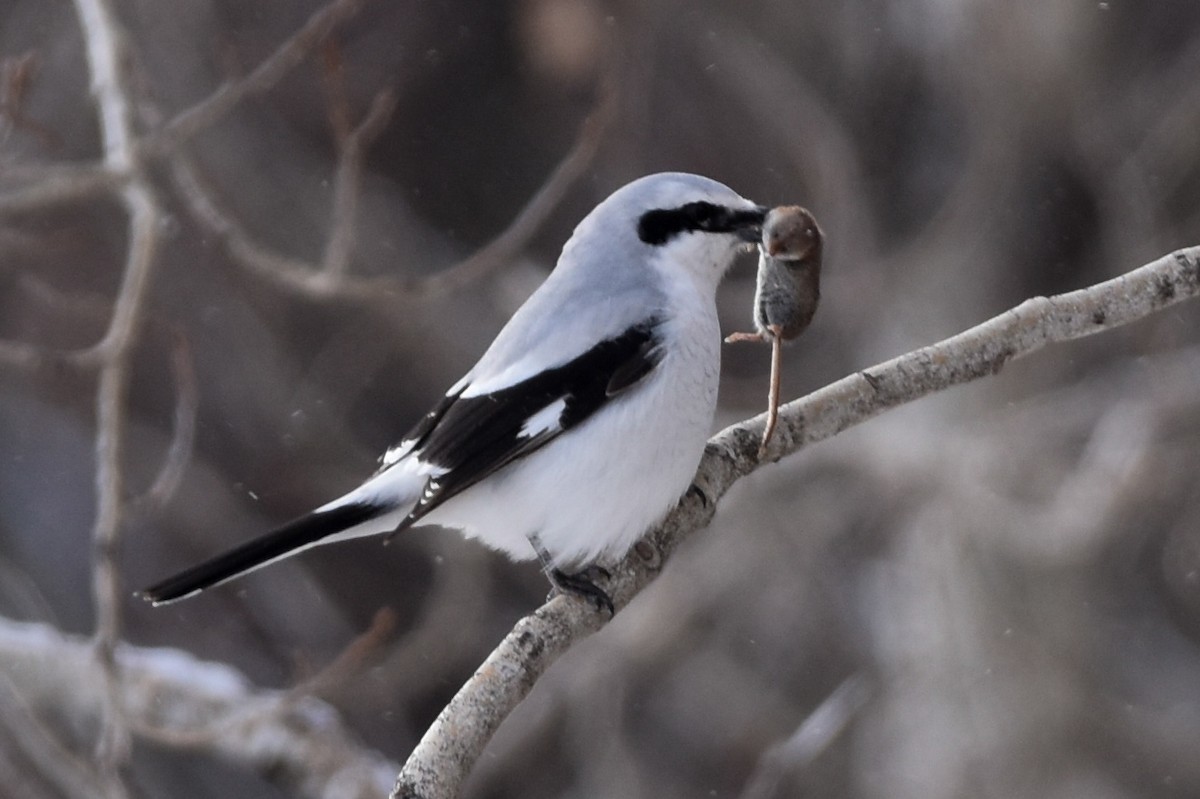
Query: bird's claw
[{"x": 581, "y": 584}]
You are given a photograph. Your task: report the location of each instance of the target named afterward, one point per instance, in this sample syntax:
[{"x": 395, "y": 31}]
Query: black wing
[{"x": 472, "y": 437}]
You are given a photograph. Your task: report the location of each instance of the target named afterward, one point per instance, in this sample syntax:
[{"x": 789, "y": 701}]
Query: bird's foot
[{"x": 581, "y": 584}]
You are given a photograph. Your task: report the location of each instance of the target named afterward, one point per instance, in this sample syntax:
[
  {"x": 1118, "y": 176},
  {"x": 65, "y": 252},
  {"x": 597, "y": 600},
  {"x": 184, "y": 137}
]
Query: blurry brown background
[{"x": 994, "y": 592}]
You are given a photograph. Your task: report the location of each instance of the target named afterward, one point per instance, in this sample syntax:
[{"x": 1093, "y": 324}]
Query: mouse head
[{"x": 790, "y": 233}]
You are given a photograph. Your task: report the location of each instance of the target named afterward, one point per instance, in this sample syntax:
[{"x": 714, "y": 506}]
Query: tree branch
[
  {"x": 332, "y": 278},
  {"x": 174, "y": 698},
  {"x": 187, "y": 401},
  {"x": 810, "y": 740},
  {"x": 108, "y": 59},
  {"x": 529, "y": 220},
  {"x": 449, "y": 749},
  {"x": 269, "y": 72},
  {"x": 55, "y": 185},
  {"x": 347, "y": 183}
]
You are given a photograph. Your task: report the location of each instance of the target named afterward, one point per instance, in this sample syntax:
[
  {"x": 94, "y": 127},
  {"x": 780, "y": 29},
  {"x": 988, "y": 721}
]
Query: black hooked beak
[{"x": 750, "y": 224}]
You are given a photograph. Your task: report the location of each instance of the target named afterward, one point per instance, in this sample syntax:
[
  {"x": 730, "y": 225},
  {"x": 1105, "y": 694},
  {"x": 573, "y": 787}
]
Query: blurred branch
[
  {"x": 19, "y": 355},
  {"x": 347, "y": 184},
  {"x": 811, "y": 738},
  {"x": 170, "y": 474},
  {"x": 108, "y": 60},
  {"x": 330, "y": 279},
  {"x": 457, "y": 737},
  {"x": 52, "y": 185},
  {"x": 512, "y": 239},
  {"x": 270, "y": 71},
  {"x": 68, "y": 773},
  {"x": 457, "y": 600},
  {"x": 290, "y": 273},
  {"x": 353, "y": 658},
  {"x": 333, "y": 81},
  {"x": 56, "y": 185},
  {"x": 16, "y": 77},
  {"x": 808, "y": 131},
  {"x": 299, "y": 742}
]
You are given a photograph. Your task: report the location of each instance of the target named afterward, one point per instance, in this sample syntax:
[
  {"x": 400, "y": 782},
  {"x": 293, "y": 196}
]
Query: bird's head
[{"x": 674, "y": 221}]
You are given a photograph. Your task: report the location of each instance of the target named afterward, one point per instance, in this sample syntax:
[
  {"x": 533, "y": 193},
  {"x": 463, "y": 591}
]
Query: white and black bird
[{"x": 584, "y": 421}]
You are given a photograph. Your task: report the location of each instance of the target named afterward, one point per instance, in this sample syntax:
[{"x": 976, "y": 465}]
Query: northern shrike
[{"x": 584, "y": 421}]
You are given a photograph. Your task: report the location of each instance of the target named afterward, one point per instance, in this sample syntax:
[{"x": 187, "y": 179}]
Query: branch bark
[{"x": 445, "y": 755}]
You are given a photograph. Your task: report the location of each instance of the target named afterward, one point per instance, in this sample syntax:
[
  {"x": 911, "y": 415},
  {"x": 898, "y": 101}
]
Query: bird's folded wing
[{"x": 466, "y": 438}]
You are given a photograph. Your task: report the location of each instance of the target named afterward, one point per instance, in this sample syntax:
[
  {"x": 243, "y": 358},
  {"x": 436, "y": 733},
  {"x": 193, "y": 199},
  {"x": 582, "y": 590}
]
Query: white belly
[{"x": 592, "y": 492}]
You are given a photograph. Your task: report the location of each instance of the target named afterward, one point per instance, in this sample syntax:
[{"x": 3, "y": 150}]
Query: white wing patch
[
  {"x": 402, "y": 450},
  {"x": 394, "y": 454},
  {"x": 545, "y": 420}
]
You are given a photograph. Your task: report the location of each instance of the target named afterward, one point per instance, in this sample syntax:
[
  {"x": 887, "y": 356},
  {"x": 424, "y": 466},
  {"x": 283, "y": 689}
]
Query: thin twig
[
  {"x": 80, "y": 303},
  {"x": 513, "y": 239},
  {"x": 33, "y": 357},
  {"x": 333, "y": 81},
  {"x": 16, "y": 76},
  {"x": 269, "y": 72},
  {"x": 19, "y": 355},
  {"x": 456, "y": 600},
  {"x": 107, "y": 57},
  {"x": 451, "y": 746},
  {"x": 312, "y": 281},
  {"x": 35, "y": 172},
  {"x": 808, "y": 130},
  {"x": 170, "y": 473},
  {"x": 350, "y": 660},
  {"x": 814, "y": 735},
  {"x": 61, "y": 185},
  {"x": 347, "y": 184},
  {"x": 290, "y": 273}
]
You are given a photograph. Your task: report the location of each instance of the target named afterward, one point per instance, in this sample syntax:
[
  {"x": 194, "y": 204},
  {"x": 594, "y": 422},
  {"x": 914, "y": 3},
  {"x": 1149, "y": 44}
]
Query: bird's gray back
[{"x": 603, "y": 283}]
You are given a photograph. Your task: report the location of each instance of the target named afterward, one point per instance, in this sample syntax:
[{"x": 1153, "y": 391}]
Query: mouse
[{"x": 787, "y": 291}]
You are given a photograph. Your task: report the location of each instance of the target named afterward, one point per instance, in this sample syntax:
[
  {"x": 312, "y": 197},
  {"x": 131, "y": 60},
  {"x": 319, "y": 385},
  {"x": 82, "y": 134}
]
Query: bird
[
  {"x": 787, "y": 292},
  {"x": 584, "y": 421}
]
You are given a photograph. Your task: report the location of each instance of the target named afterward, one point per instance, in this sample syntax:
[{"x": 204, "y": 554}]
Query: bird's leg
[
  {"x": 773, "y": 393},
  {"x": 734, "y": 338},
  {"x": 580, "y": 583}
]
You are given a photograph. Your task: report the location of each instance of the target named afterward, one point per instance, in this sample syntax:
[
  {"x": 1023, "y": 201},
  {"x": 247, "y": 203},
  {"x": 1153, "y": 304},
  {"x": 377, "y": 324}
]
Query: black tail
[{"x": 276, "y": 544}]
